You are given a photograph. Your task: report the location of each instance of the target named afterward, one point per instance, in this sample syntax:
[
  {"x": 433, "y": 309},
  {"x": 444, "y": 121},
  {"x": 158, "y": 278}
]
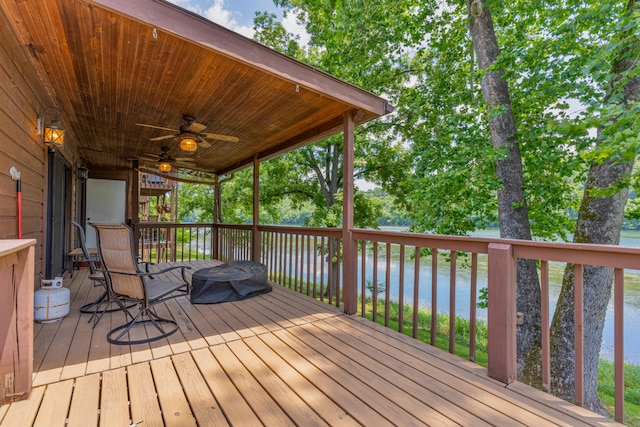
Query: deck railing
[
  {"x": 309, "y": 260},
  {"x": 170, "y": 242},
  {"x": 305, "y": 259}
]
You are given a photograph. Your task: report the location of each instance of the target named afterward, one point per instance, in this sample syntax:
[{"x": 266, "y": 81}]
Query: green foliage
[
  {"x": 195, "y": 203},
  {"x": 606, "y": 390}
]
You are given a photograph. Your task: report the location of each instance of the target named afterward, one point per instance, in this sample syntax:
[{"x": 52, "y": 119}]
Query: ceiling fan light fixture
[
  {"x": 188, "y": 144},
  {"x": 164, "y": 166}
]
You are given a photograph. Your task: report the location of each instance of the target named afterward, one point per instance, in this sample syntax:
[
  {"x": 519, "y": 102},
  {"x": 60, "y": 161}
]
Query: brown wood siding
[{"x": 22, "y": 96}]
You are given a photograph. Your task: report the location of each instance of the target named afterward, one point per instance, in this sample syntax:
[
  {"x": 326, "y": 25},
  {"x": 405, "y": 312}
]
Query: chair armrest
[{"x": 184, "y": 278}]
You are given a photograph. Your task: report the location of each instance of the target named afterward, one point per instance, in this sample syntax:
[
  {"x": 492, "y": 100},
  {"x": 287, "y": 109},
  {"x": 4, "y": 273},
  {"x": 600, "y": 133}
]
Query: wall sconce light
[
  {"x": 188, "y": 144},
  {"x": 164, "y": 166},
  {"x": 83, "y": 173},
  {"x": 52, "y": 134}
]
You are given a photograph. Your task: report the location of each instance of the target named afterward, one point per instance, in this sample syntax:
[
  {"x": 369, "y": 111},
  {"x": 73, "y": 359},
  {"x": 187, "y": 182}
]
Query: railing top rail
[
  {"x": 306, "y": 231},
  {"x": 236, "y": 226},
  {"x": 579, "y": 253},
  {"x": 457, "y": 243},
  {"x": 172, "y": 224}
]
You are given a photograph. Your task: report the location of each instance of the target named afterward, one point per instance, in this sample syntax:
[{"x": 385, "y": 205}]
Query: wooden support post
[
  {"x": 350, "y": 256},
  {"x": 215, "y": 253},
  {"x": 134, "y": 192},
  {"x": 502, "y": 312},
  {"x": 255, "y": 235}
]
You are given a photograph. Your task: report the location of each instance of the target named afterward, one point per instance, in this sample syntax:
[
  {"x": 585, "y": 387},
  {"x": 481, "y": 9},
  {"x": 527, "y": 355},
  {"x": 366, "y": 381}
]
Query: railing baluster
[
  {"x": 339, "y": 283},
  {"x": 546, "y": 348},
  {"x": 434, "y": 295},
  {"x": 295, "y": 262},
  {"x": 618, "y": 352},
  {"x": 579, "y": 333},
  {"x": 315, "y": 263},
  {"x": 374, "y": 313},
  {"x": 452, "y": 303},
  {"x": 472, "y": 306},
  {"x": 322, "y": 260},
  {"x": 289, "y": 276},
  {"x": 416, "y": 292},
  {"x": 387, "y": 284},
  {"x": 401, "y": 292},
  {"x": 363, "y": 281},
  {"x": 308, "y": 265}
]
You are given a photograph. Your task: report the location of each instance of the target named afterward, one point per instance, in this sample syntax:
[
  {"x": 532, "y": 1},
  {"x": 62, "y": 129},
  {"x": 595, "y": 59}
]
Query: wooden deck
[{"x": 277, "y": 359}]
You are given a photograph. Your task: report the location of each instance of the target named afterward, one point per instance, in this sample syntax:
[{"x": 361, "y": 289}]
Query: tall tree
[
  {"x": 512, "y": 204},
  {"x": 600, "y": 217}
]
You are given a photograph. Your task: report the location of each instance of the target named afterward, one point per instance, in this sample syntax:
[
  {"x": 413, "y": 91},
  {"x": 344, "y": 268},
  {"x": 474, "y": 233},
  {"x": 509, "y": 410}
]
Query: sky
[{"x": 238, "y": 15}]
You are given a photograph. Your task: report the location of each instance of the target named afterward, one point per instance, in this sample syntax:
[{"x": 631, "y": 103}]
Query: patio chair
[
  {"x": 96, "y": 276},
  {"x": 95, "y": 308},
  {"x": 126, "y": 284}
]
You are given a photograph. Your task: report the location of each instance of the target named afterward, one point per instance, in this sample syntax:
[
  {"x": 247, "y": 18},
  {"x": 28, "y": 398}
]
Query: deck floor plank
[
  {"x": 48, "y": 331},
  {"x": 326, "y": 408},
  {"x": 143, "y": 398},
  {"x": 24, "y": 412},
  {"x": 353, "y": 404},
  {"x": 120, "y": 355},
  {"x": 100, "y": 350},
  {"x": 202, "y": 402},
  {"x": 272, "y": 319},
  {"x": 280, "y": 358},
  {"x": 294, "y": 406},
  {"x": 188, "y": 337},
  {"x": 173, "y": 402},
  {"x": 55, "y": 405},
  {"x": 268, "y": 410},
  {"x": 114, "y": 402},
  {"x": 407, "y": 409},
  {"x": 208, "y": 323},
  {"x": 440, "y": 369},
  {"x": 85, "y": 402}
]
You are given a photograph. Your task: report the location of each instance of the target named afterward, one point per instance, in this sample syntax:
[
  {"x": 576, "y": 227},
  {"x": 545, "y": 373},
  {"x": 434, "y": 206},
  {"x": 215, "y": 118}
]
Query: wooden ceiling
[{"x": 110, "y": 64}]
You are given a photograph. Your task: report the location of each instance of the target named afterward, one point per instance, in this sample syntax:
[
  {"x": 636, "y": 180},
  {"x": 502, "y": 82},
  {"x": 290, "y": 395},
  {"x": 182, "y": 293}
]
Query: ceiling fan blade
[
  {"x": 185, "y": 164},
  {"x": 160, "y": 138},
  {"x": 157, "y": 127},
  {"x": 185, "y": 159},
  {"x": 196, "y": 127},
  {"x": 220, "y": 137},
  {"x": 203, "y": 143},
  {"x": 149, "y": 156}
]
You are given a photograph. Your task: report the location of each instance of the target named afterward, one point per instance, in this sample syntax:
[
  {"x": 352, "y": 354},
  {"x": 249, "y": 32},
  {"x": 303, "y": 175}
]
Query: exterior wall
[{"x": 22, "y": 97}]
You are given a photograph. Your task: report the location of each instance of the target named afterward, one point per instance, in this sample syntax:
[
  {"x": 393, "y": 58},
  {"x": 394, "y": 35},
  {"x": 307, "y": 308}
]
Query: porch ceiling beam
[{"x": 196, "y": 29}]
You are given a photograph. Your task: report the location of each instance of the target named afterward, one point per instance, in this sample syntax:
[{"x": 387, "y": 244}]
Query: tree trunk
[
  {"x": 512, "y": 206},
  {"x": 599, "y": 221}
]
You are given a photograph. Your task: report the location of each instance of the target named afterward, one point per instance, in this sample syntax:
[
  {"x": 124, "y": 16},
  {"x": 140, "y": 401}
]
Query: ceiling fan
[
  {"x": 164, "y": 161},
  {"x": 193, "y": 131}
]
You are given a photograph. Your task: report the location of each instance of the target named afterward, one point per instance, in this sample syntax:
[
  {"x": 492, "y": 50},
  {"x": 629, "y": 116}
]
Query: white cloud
[
  {"x": 218, "y": 14},
  {"x": 290, "y": 24}
]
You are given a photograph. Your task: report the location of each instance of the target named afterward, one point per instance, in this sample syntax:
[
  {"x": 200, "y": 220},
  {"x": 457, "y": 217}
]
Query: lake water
[{"x": 463, "y": 297}]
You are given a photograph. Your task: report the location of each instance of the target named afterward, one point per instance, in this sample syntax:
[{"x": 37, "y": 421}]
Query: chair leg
[
  {"x": 94, "y": 307},
  {"x": 114, "y": 336}
]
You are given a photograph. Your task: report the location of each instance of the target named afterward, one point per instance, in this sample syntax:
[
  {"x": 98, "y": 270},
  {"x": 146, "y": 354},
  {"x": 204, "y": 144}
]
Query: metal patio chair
[
  {"x": 95, "y": 275},
  {"x": 126, "y": 283}
]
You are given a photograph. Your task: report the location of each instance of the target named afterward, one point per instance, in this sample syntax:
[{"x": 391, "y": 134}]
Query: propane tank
[{"x": 51, "y": 301}]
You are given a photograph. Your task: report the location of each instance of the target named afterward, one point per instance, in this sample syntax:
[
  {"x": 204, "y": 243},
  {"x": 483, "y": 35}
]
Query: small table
[{"x": 76, "y": 256}]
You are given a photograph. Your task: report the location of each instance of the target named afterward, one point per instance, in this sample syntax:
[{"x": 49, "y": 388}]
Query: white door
[{"x": 106, "y": 203}]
